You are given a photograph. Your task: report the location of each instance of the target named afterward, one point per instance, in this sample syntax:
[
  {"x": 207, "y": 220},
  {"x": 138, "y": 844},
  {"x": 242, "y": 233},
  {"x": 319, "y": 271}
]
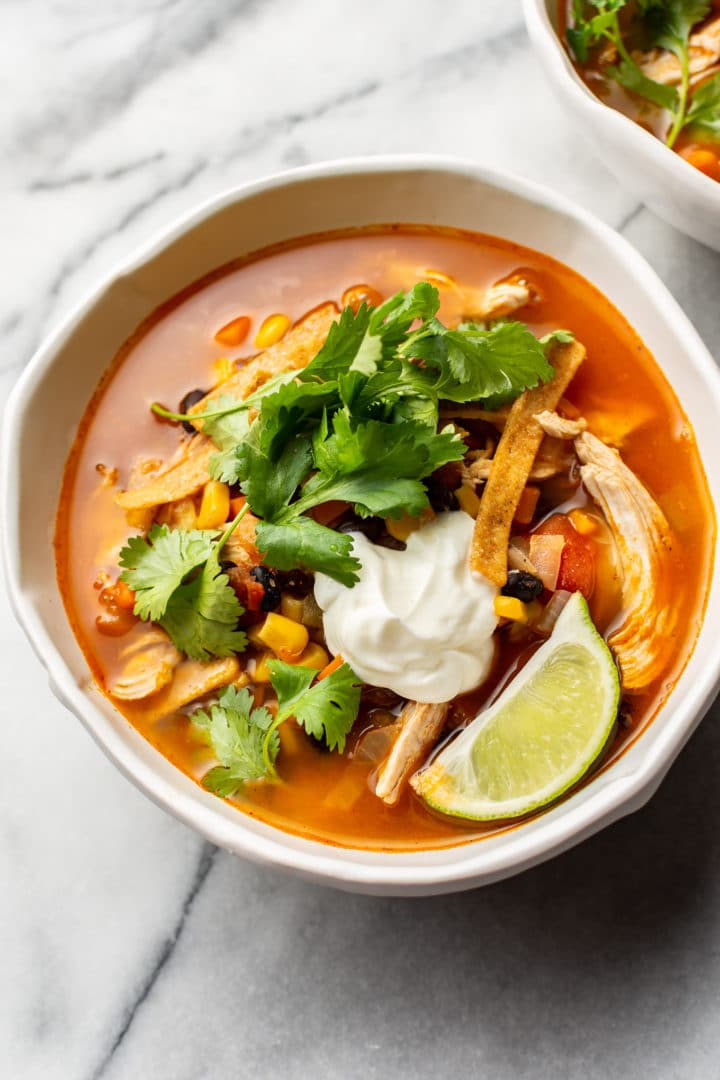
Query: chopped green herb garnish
[
  {"x": 178, "y": 583},
  {"x": 245, "y": 739},
  {"x": 359, "y": 423}
]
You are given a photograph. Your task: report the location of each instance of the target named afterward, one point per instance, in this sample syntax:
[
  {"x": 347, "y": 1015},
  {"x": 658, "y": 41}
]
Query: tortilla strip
[
  {"x": 421, "y": 727},
  {"x": 293, "y": 352},
  {"x": 513, "y": 462},
  {"x": 177, "y": 482},
  {"x": 186, "y": 478}
]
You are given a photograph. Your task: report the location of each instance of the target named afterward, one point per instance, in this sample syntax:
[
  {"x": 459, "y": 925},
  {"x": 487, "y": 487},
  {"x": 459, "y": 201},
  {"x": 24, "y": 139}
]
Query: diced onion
[
  {"x": 546, "y": 553},
  {"x": 550, "y": 615}
]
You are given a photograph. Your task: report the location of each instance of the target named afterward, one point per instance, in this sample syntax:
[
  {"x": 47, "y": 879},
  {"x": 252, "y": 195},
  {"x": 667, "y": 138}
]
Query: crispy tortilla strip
[
  {"x": 193, "y": 679},
  {"x": 186, "y": 478},
  {"x": 513, "y": 462},
  {"x": 296, "y": 349},
  {"x": 181, "y": 480},
  {"x": 421, "y": 728},
  {"x": 645, "y": 641},
  {"x": 558, "y": 427}
]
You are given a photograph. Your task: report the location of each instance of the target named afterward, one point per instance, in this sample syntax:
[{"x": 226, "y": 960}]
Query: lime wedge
[{"x": 540, "y": 736}]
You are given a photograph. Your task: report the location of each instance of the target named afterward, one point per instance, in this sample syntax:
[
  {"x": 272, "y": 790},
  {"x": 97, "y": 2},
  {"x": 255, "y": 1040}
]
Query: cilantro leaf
[
  {"x": 631, "y": 77},
  {"x": 226, "y": 431},
  {"x": 304, "y": 543},
  {"x": 473, "y": 363},
  {"x": 156, "y": 565},
  {"x": 704, "y": 111},
  {"x": 326, "y": 710},
  {"x": 294, "y": 409},
  {"x": 202, "y": 616},
  {"x": 270, "y": 485},
  {"x": 341, "y": 346},
  {"x": 236, "y": 733},
  {"x": 671, "y": 21},
  {"x": 377, "y": 466}
]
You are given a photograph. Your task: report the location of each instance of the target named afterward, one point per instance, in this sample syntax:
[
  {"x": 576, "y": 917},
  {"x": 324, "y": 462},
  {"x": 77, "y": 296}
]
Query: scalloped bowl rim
[
  {"x": 541, "y": 29},
  {"x": 610, "y": 796}
]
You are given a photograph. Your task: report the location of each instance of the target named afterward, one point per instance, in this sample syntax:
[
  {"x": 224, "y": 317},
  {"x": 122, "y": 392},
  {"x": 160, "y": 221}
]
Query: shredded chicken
[
  {"x": 193, "y": 679},
  {"x": 513, "y": 462},
  {"x": 552, "y": 459},
  {"x": 664, "y": 67},
  {"x": 240, "y": 545},
  {"x": 499, "y": 300},
  {"x": 644, "y": 642},
  {"x": 421, "y": 725},
  {"x": 558, "y": 427},
  {"x": 148, "y": 663}
]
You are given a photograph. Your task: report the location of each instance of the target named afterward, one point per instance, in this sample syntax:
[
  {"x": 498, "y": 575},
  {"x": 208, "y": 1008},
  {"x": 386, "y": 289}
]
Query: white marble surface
[{"x": 128, "y": 947}]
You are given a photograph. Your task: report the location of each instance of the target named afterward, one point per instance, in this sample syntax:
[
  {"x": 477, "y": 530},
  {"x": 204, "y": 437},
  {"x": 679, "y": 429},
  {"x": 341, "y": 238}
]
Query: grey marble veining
[{"x": 129, "y": 947}]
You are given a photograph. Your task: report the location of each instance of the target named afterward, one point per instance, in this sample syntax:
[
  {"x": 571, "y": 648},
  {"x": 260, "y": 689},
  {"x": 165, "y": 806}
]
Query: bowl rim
[
  {"x": 466, "y": 865},
  {"x": 546, "y": 39}
]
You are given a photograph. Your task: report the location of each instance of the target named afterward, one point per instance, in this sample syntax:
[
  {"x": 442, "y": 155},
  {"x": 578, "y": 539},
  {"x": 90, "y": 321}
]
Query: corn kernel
[
  {"x": 468, "y": 500},
  {"x": 584, "y": 523},
  {"x": 401, "y": 528},
  {"x": 509, "y": 607},
  {"x": 223, "y": 369},
  {"x": 214, "y": 505},
  {"x": 283, "y": 635},
  {"x": 273, "y": 328},
  {"x": 291, "y": 607},
  {"x": 262, "y": 671},
  {"x": 234, "y": 332},
  {"x": 313, "y": 656}
]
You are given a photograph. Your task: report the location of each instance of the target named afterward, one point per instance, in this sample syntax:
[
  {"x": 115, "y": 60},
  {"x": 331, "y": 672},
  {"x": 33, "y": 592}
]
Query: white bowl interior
[{"x": 57, "y": 387}]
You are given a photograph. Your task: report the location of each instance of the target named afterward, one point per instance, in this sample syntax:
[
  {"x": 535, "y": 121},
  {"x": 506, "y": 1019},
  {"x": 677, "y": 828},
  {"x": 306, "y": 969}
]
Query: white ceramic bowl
[
  {"x": 55, "y": 388},
  {"x": 675, "y": 190}
]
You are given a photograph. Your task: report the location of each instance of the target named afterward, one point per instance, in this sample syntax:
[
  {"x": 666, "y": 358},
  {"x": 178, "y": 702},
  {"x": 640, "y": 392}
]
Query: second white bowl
[{"x": 663, "y": 181}]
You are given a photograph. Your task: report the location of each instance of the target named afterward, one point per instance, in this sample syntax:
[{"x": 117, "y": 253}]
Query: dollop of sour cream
[{"x": 418, "y": 622}]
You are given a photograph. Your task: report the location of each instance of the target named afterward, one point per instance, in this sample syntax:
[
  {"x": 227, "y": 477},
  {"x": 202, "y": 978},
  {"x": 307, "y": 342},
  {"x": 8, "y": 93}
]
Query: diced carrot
[
  {"x": 335, "y": 663},
  {"x": 234, "y": 332},
  {"x": 702, "y": 159},
  {"x": 328, "y": 512},
  {"x": 361, "y": 294},
  {"x": 124, "y": 596},
  {"x": 236, "y": 506},
  {"x": 527, "y": 504}
]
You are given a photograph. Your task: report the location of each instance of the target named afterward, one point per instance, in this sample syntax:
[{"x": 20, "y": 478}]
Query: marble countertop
[{"x": 131, "y": 948}]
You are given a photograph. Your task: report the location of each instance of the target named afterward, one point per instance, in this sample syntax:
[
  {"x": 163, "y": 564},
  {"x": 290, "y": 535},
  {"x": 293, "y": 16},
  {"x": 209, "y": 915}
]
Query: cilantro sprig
[
  {"x": 178, "y": 583},
  {"x": 666, "y": 24},
  {"x": 245, "y": 739},
  {"x": 360, "y": 423}
]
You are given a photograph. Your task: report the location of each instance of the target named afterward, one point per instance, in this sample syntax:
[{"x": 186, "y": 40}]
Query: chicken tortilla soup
[{"x": 391, "y": 537}]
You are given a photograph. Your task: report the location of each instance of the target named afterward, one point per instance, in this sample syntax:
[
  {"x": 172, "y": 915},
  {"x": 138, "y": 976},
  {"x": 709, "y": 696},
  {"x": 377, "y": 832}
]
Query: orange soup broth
[{"x": 322, "y": 795}]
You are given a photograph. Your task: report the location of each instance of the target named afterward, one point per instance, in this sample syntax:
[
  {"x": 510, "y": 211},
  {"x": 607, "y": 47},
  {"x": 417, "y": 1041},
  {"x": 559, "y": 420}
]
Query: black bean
[
  {"x": 190, "y": 399},
  {"x": 441, "y": 497},
  {"x": 266, "y": 578},
  {"x": 226, "y": 564},
  {"x": 523, "y": 586},
  {"x": 295, "y": 582}
]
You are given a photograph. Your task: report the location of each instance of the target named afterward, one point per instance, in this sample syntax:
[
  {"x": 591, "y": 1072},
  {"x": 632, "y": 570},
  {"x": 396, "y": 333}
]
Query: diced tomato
[
  {"x": 328, "y": 512},
  {"x": 577, "y": 563}
]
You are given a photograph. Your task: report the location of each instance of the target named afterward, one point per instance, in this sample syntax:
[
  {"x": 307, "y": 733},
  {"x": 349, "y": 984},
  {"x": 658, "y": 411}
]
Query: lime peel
[{"x": 539, "y": 737}]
